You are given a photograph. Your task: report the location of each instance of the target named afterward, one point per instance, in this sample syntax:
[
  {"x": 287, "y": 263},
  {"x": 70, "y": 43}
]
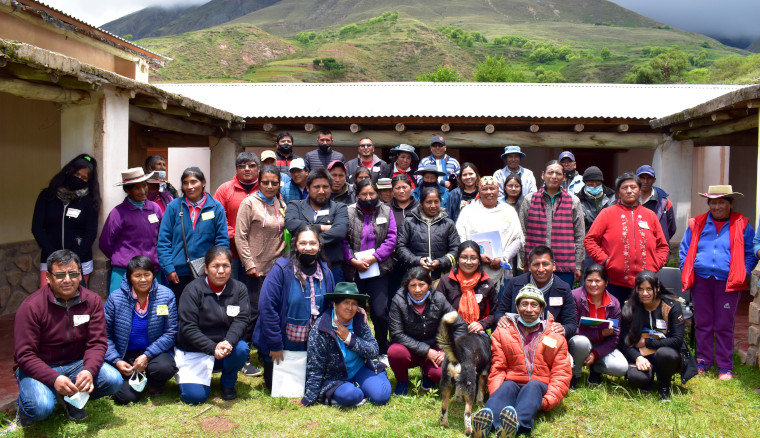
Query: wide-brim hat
[
  {"x": 408, "y": 149},
  {"x": 384, "y": 183},
  {"x": 430, "y": 168},
  {"x": 723, "y": 191},
  {"x": 346, "y": 289},
  {"x": 513, "y": 149},
  {"x": 133, "y": 176}
]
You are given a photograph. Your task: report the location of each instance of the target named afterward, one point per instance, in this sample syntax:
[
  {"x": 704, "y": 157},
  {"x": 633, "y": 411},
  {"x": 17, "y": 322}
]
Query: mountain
[
  {"x": 754, "y": 47},
  {"x": 157, "y": 21}
]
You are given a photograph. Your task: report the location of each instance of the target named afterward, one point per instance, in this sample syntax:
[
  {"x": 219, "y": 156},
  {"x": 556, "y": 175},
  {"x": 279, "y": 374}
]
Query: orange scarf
[{"x": 468, "y": 304}]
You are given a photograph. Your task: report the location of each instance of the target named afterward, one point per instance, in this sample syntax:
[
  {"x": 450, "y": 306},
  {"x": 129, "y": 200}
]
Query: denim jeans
[{"x": 37, "y": 400}]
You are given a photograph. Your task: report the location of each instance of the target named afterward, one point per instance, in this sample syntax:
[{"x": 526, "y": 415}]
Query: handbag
[
  {"x": 195, "y": 265},
  {"x": 688, "y": 364}
]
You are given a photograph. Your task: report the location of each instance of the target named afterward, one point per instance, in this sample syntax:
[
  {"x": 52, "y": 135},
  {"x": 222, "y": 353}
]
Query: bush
[
  {"x": 644, "y": 74},
  {"x": 444, "y": 73},
  {"x": 550, "y": 77},
  {"x": 498, "y": 70},
  {"x": 349, "y": 29},
  {"x": 542, "y": 55},
  {"x": 510, "y": 40},
  {"x": 605, "y": 54},
  {"x": 316, "y": 62}
]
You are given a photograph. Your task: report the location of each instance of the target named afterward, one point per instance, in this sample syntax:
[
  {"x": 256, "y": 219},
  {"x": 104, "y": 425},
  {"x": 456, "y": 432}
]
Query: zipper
[
  {"x": 430, "y": 245},
  {"x": 63, "y": 225}
]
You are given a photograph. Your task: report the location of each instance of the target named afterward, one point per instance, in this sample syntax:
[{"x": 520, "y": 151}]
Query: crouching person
[
  {"x": 530, "y": 369},
  {"x": 341, "y": 367},
  {"x": 141, "y": 322},
  {"x": 60, "y": 342}
]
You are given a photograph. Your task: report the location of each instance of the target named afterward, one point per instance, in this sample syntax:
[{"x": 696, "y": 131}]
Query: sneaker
[
  {"x": 701, "y": 366},
  {"x": 383, "y": 358},
  {"x": 427, "y": 384},
  {"x": 574, "y": 383},
  {"x": 725, "y": 374},
  {"x": 22, "y": 420},
  {"x": 482, "y": 422},
  {"x": 402, "y": 389},
  {"x": 229, "y": 393},
  {"x": 508, "y": 419},
  {"x": 250, "y": 370},
  {"x": 594, "y": 378},
  {"x": 74, "y": 413},
  {"x": 664, "y": 393}
]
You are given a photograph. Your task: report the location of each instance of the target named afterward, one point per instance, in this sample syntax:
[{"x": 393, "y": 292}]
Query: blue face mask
[
  {"x": 420, "y": 301},
  {"x": 160, "y": 174},
  {"x": 594, "y": 191},
  {"x": 532, "y": 324}
]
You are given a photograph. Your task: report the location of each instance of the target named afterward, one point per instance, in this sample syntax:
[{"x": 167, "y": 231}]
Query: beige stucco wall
[{"x": 30, "y": 148}]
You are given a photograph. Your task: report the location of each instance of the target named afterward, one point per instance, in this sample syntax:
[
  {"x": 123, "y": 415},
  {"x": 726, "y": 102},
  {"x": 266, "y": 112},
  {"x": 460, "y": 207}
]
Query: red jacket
[
  {"x": 45, "y": 333},
  {"x": 230, "y": 195},
  {"x": 618, "y": 241},
  {"x": 551, "y": 364}
]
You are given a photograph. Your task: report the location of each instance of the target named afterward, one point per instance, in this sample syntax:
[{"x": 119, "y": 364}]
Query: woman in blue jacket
[
  {"x": 204, "y": 223},
  {"x": 141, "y": 323}
]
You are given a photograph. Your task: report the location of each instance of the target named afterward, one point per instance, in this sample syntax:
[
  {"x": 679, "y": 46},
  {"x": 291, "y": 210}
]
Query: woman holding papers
[
  {"x": 341, "y": 369},
  {"x": 486, "y": 215},
  {"x": 213, "y": 315},
  {"x": 652, "y": 336},
  {"x": 368, "y": 247},
  {"x": 595, "y": 342},
  {"x": 292, "y": 297}
]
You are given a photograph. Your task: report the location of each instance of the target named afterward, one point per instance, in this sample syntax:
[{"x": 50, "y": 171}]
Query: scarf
[
  {"x": 66, "y": 195},
  {"x": 562, "y": 240},
  {"x": 141, "y": 309},
  {"x": 468, "y": 304},
  {"x": 311, "y": 279}
]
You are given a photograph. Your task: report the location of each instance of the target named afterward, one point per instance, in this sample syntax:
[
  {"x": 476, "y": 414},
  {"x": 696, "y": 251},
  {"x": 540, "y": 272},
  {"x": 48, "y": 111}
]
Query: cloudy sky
[{"x": 735, "y": 20}]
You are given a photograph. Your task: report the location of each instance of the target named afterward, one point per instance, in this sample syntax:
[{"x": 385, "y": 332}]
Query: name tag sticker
[
  {"x": 479, "y": 298},
  {"x": 323, "y": 213},
  {"x": 660, "y": 324},
  {"x": 162, "y": 310},
  {"x": 555, "y": 301},
  {"x": 73, "y": 212},
  {"x": 153, "y": 218},
  {"x": 643, "y": 225},
  {"x": 207, "y": 215},
  {"x": 375, "y": 169},
  {"x": 81, "y": 319},
  {"x": 549, "y": 342},
  {"x": 233, "y": 311},
  {"x": 382, "y": 220}
]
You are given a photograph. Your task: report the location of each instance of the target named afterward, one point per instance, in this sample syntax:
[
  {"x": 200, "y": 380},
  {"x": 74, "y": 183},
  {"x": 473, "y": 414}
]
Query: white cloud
[{"x": 99, "y": 12}]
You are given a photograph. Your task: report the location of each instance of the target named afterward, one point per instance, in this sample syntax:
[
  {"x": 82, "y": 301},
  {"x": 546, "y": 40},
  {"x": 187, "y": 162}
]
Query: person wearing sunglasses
[
  {"x": 367, "y": 158},
  {"x": 60, "y": 345}
]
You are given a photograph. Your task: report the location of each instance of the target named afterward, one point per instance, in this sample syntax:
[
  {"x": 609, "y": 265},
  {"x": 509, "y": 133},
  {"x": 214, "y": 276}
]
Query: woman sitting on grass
[{"x": 340, "y": 369}]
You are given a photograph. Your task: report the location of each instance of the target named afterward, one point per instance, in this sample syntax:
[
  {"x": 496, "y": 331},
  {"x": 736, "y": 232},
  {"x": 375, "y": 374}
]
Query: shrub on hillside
[
  {"x": 444, "y": 73},
  {"x": 498, "y": 70}
]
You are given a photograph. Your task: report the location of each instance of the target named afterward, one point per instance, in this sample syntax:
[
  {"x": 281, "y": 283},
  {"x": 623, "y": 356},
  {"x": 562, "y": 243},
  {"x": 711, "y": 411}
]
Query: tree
[
  {"x": 550, "y": 77},
  {"x": 542, "y": 55},
  {"x": 644, "y": 74},
  {"x": 128, "y": 37},
  {"x": 497, "y": 70},
  {"x": 671, "y": 63},
  {"x": 444, "y": 73}
]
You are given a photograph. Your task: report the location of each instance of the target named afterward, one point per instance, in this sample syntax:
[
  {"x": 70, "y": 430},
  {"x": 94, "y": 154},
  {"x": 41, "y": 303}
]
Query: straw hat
[
  {"x": 724, "y": 191},
  {"x": 133, "y": 176}
]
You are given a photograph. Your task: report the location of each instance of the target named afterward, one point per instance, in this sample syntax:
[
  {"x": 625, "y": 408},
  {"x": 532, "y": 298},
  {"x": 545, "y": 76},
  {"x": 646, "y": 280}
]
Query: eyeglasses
[
  {"x": 366, "y": 145},
  {"x": 469, "y": 259},
  {"x": 269, "y": 183},
  {"x": 62, "y": 275},
  {"x": 513, "y": 186},
  {"x": 247, "y": 166}
]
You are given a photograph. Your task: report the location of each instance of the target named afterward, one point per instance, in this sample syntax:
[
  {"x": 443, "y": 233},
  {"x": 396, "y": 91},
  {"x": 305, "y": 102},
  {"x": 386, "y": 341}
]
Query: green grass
[{"x": 704, "y": 407}]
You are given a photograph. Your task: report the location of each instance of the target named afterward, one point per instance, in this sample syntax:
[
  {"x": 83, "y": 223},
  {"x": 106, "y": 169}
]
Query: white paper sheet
[
  {"x": 490, "y": 243},
  {"x": 289, "y": 376},
  {"x": 374, "y": 268},
  {"x": 193, "y": 367}
]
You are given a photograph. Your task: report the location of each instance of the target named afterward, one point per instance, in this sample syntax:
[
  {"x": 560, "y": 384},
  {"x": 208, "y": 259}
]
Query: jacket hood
[{"x": 417, "y": 213}]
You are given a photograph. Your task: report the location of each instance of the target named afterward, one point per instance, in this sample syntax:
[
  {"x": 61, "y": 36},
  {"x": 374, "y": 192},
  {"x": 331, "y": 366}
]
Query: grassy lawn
[{"x": 704, "y": 407}]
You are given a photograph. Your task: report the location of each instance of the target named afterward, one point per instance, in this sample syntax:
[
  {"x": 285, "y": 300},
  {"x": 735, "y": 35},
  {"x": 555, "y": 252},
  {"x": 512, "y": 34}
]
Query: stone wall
[
  {"x": 753, "y": 333},
  {"x": 19, "y": 273}
]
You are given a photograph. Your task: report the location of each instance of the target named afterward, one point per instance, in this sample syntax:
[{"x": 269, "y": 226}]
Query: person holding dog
[
  {"x": 530, "y": 369},
  {"x": 416, "y": 312},
  {"x": 470, "y": 290}
]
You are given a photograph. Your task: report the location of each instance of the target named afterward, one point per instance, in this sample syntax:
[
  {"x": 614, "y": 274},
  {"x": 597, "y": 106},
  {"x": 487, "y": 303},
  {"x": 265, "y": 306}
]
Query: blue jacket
[
  {"x": 162, "y": 330},
  {"x": 714, "y": 250},
  {"x": 663, "y": 208},
  {"x": 290, "y": 191},
  {"x": 207, "y": 233},
  {"x": 273, "y": 309},
  {"x": 325, "y": 365},
  {"x": 444, "y": 196}
]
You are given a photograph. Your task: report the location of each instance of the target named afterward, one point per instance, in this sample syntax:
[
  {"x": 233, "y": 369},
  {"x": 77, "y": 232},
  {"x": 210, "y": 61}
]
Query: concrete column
[
  {"x": 223, "y": 154},
  {"x": 672, "y": 163}
]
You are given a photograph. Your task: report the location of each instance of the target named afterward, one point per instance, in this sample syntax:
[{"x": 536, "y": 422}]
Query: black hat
[
  {"x": 346, "y": 289},
  {"x": 430, "y": 168},
  {"x": 593, "y": 174}
]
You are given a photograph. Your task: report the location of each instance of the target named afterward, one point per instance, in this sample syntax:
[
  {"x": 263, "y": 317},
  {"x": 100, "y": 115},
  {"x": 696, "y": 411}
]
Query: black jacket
[
  {"x": 399, "y": 214},
  {"x": 379, "y": 169},
  {"x": 56, "y": 226},
  {"x": 564, "y": 313},
  {"x": 205, "y": 319},
  {"x": 588, "y": 204},
  {"x": 417, "y": 239},
  {"x": 317, "y": 160},
  {"x": 668, "y": 311},
  {"x": 450, "y": 288},
  {"x": 415, "y": 331},
  {"x": 300, "y": 213}
]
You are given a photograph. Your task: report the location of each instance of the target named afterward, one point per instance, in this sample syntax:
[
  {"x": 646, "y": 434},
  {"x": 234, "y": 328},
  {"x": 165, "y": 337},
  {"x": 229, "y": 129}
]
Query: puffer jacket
[
  {"x": 325, "y": 364},
  {"x": 162, "y": 329},
  {"x": 436, "y": 238},
  {"x": 588, "y": 204},
  {"x": 415, "y": 331},
  {"x": 551, "y": 363}
]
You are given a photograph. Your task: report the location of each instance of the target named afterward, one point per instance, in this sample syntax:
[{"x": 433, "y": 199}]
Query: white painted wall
[
  {"x": 182, "y": 158},
  {"x": 675, "y": 179}
]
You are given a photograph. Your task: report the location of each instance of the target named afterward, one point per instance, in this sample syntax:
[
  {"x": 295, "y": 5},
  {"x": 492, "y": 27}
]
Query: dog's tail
[{"x": 445, "y": 340}]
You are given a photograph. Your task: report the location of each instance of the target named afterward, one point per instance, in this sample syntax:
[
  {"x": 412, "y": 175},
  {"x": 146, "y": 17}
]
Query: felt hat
[
  {"x": 430, "y": 168},
  {"x": 384, "y": 183},
  {"x": 513, "y": 149},
  {"x": 133, "y": 176},
  {"x": 532, "y": 292},
  {"x": 346, "y": 289},
  {"x": 408, "y": 149},
  {"x": 724, "y": 191}
]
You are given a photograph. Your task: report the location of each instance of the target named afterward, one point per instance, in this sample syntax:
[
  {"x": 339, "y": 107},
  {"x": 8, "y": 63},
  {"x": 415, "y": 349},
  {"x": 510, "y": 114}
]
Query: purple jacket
[
  {"x": 129, "y": 231},
  {"x": 601, "y": 346}
]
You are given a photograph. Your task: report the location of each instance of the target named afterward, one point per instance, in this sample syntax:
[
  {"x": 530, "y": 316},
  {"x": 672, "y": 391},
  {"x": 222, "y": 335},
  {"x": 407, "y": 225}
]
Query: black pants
[
  {"x": 268, "y": 368},
  {"x": 665, "y": 363},
  {"x": 254, "y": 290},
  {"x": 179, "y": 287},
  {"x": 377, "y": 289},
  {"x": 160, "y": 369}
]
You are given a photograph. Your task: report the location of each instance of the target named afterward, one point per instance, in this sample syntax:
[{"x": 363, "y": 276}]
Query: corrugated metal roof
[{"x": 425, "y": 99}]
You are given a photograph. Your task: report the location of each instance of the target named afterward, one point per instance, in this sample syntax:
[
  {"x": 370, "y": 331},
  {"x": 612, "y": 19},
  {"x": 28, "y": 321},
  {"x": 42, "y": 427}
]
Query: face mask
[
  {"x": 324, "y": 148},
  {"x": 420, "y": 301},
  {"x": 77, "y": 400},
  {"x": 160, "y": 174},
  {"x": 594, "y": 191},
  {"x": 138, "y": 381},
  {"x": 429, "y": 184},
  {"x": 368, "y": 205},
  {"x": 306, "y": 259},
  {"x": 532, "y": 324},
  {"x": 75, "y": 183},
  {"x": 286, "y": 149}
]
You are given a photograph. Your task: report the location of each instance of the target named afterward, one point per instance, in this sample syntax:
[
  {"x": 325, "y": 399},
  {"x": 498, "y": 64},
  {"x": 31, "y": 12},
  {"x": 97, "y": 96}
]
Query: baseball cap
[{"x": 649, "y": 170}]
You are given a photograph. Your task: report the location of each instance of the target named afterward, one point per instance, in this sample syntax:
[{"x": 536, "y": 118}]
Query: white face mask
[
  {"x": 77, "y": 400},
  {"x": 138, "y": 381},
  {"x": 160, "y": 174}
]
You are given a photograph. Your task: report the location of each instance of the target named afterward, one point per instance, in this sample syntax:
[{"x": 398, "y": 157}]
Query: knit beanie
[
  {"x": 593, "y": 174},
  {"x": 532, "y": 292}
]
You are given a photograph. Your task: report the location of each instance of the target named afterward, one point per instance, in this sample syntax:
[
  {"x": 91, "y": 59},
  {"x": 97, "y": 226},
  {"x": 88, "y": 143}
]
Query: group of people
[{"x": 296, "y": 256}]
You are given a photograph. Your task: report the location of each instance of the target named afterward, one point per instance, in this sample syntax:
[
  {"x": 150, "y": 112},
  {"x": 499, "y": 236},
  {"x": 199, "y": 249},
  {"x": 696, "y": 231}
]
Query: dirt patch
[{"x": 217, "y": 424}]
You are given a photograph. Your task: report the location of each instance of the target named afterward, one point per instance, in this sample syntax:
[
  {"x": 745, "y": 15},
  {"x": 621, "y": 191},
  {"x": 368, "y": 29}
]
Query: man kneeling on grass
[
  {"x": 60, "y": 343},
  {"x": 530, "y": 369}
]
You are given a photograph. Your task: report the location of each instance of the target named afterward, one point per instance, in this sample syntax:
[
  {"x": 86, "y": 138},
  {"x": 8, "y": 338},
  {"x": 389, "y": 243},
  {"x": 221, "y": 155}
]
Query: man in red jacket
[{"x": 60, "y": 343}]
